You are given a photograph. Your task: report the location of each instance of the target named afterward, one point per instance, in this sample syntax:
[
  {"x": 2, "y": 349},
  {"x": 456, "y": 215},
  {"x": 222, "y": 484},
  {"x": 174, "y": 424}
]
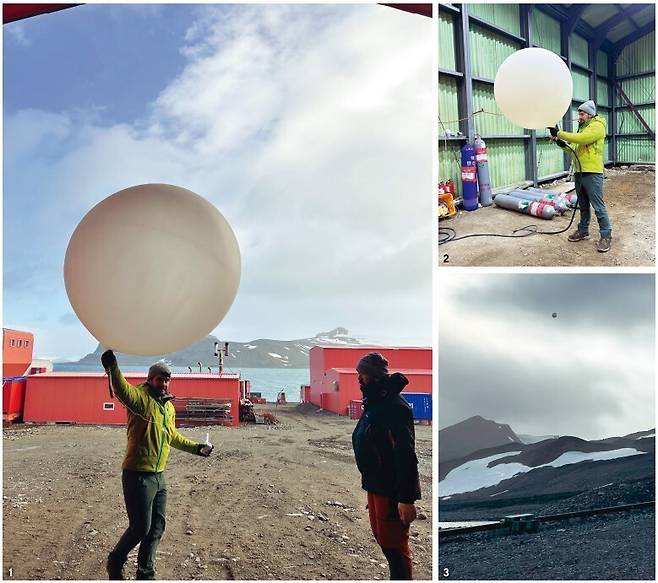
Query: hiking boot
[
  {"x": 604, "y": 245},
  {"x": 114, "y": 571},
  {"x": 577, "y": 236}
]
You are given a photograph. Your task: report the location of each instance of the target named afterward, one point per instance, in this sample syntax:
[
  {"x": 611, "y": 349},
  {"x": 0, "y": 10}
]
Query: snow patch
[
  {"x": 476, "y": 474},
  {"x": 274, "y": 355},
  {"x": 647, "y": 436},
  {"x": 250, "y": 346},
  {"x": 497, "y": 493}
]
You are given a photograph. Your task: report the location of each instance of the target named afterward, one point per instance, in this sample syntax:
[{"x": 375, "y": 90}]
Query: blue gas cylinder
[{"x": 469, "y": 178}]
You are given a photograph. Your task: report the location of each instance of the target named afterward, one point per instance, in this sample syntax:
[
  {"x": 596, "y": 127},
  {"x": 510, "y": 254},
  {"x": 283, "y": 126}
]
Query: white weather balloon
[
  {"x": 152, "y": 269},
  {"x": 533, "y": 88}
]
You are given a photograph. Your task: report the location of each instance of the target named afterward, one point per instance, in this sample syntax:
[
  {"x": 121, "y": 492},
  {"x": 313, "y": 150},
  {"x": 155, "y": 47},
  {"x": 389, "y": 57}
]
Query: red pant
[{"x": 391, "y": 535}]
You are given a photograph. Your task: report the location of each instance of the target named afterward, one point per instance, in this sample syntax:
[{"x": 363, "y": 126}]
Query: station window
[
  {"x": 20, "y": 344},
  {"x": 12, "y": 343},
  {"x": 108, "y": 406},
  {"x": 27, "y": 344}
]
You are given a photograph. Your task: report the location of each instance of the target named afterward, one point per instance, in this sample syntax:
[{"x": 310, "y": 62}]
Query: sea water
[{"x": 267, "y": 381}]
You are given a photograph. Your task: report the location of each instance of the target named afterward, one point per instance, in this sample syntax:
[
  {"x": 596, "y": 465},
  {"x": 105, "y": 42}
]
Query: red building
[
  {"x": 334, "y": 380},
  {"x": 84, "y": 397},
  {"x": 17, "y": 350}
]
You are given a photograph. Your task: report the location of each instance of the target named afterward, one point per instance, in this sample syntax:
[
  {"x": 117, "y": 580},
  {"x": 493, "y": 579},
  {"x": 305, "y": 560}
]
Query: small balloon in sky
[
  {"x": 152, "y": 269},
  {"x": 554, "y": 314},
  {"x": 533, "y": 88}
]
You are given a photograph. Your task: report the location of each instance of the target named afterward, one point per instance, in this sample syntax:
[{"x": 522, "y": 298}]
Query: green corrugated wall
[
  {"x": 448, "y": 110},
  {"x": 550, "y": 159},
  {"x": 636, "y": 150},
  {"x": 638, "y": 90},
  {"x": 488, "y": 51},
  {"x": 580, "y": 85},
  {"x": 602, "y": 63},
  {"x": 638, "y": 57},
  {"x": 490, "y": 125},
  {"x": 506, "y": 161},
  {"x": 579, "y": 50},
  {"x": 505, "y": 16},
  {"x": 628, "y": 123},
  {"x": 446, "y": 42},
  {"x": 602, "y": 92},
  {"x": 546, "y": 31}
]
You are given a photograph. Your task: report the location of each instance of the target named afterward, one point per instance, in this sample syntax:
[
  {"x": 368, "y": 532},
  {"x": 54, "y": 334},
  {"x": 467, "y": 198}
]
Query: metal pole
[
  {"x": 566, "y": 53},
  {"x": 464, "y": 62},
  {"x": 612, "y": 80},
  {"x": 531, "y": 170}
]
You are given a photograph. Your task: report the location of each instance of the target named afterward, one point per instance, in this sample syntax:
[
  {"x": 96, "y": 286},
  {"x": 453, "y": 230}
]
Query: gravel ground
[
  {"x": 280, "y": 502},
  {"x": 629, "y": 197},
  {"x": 612, "y": 547}
]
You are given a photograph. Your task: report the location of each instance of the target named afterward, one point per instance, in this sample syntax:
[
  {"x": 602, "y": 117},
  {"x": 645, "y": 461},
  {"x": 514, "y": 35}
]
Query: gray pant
[
  {"x": 145, "y": 495},
  {"x": 589, "y": 188}
]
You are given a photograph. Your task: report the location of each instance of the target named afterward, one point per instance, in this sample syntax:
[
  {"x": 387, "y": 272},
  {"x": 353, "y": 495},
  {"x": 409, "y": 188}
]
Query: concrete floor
[{"x": 629, "y": 197}]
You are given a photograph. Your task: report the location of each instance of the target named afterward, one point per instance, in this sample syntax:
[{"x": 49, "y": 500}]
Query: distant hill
[
  {"x": 261, "y": 353},
  {"x": 517, "y": 469},
  {"x": 473, "y": 434}
]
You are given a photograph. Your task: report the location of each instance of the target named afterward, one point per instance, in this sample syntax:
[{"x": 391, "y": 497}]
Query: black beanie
[{"x": 374, "y": 365}]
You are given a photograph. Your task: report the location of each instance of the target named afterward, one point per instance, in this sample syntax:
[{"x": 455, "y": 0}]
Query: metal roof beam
[
  {"x": 573, "y": 16},
  {"x": 582, "y": 28},
  {"x": 616, "y": 19},
  {"x": 627, "y": 15},
  {"x": 638, "y": 34}
]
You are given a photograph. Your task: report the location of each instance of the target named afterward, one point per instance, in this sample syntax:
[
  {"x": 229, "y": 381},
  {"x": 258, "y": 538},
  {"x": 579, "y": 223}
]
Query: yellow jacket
[
  {"x": 589, "y": 141},
  {"x": 151, "y": 426}
]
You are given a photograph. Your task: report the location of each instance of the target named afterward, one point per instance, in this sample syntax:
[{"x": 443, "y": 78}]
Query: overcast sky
[
  {"x": 589, "y": 372},
  {"x": 309, "y": 127}
]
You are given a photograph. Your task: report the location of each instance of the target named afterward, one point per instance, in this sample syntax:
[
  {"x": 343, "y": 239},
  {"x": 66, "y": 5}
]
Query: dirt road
[
  {"x": 279, "y": 502},
  {"x": 629, "y": 197}
]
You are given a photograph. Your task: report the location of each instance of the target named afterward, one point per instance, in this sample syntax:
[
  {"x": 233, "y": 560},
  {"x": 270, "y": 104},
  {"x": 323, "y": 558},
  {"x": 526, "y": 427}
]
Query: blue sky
[{"x": 309, "y": 127}]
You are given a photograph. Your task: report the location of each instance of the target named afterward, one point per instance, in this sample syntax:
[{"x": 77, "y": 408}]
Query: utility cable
[{"x": 448, "y": 234}]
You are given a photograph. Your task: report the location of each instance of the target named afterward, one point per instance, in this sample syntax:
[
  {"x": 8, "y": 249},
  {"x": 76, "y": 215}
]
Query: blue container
[
  {"x": 421, "y": 405},
  {"x": 469, "y": 178}
]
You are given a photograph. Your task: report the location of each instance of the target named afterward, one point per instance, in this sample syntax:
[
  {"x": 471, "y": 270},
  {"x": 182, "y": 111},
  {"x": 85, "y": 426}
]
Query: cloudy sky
[
  {"x": 309, "y": 127},
  {"x": 589, "y": 372}
]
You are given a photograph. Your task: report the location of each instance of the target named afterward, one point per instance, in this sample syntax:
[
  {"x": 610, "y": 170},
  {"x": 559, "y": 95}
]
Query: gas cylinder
[
  {"x": 484, "y": 179},
  {"x": 450, "y": 187},
  {"x": 528, "y": 207},
  {"x": 442, "y": 188},
  {"x": 570, "y": 199},
  {"x": 555, "y": 201},
  {"x": 469, "y": 178}
]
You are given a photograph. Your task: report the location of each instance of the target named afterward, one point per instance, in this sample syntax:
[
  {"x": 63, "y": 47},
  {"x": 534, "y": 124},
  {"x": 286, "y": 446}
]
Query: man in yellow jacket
[
  {"x": 151, "y": 433},
  {"x": 589, "y": 141}
]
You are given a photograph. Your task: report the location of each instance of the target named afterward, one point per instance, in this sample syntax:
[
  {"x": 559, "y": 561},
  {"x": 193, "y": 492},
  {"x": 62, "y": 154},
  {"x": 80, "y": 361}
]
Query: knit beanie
[
  {"x": 588, "y": 107},
  {"x": 373, "y": 364}
]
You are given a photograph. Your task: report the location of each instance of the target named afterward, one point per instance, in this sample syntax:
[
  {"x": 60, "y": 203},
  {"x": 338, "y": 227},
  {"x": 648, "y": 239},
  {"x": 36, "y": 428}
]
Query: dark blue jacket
[{"x": 384, "y": 442}]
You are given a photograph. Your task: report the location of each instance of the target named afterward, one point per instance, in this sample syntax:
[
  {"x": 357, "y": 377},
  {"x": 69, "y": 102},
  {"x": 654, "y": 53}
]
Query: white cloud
[
  {"x": 16, "y": 33},
  {"x": 310, "y": 129}
]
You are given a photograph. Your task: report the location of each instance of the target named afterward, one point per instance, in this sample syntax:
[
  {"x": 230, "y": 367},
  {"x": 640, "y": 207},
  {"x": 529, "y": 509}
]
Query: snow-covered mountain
[
  {"x": 261, "y": 353},
  {"x": 473, "y": 434},
  {"x": 552, "y": 465}
]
